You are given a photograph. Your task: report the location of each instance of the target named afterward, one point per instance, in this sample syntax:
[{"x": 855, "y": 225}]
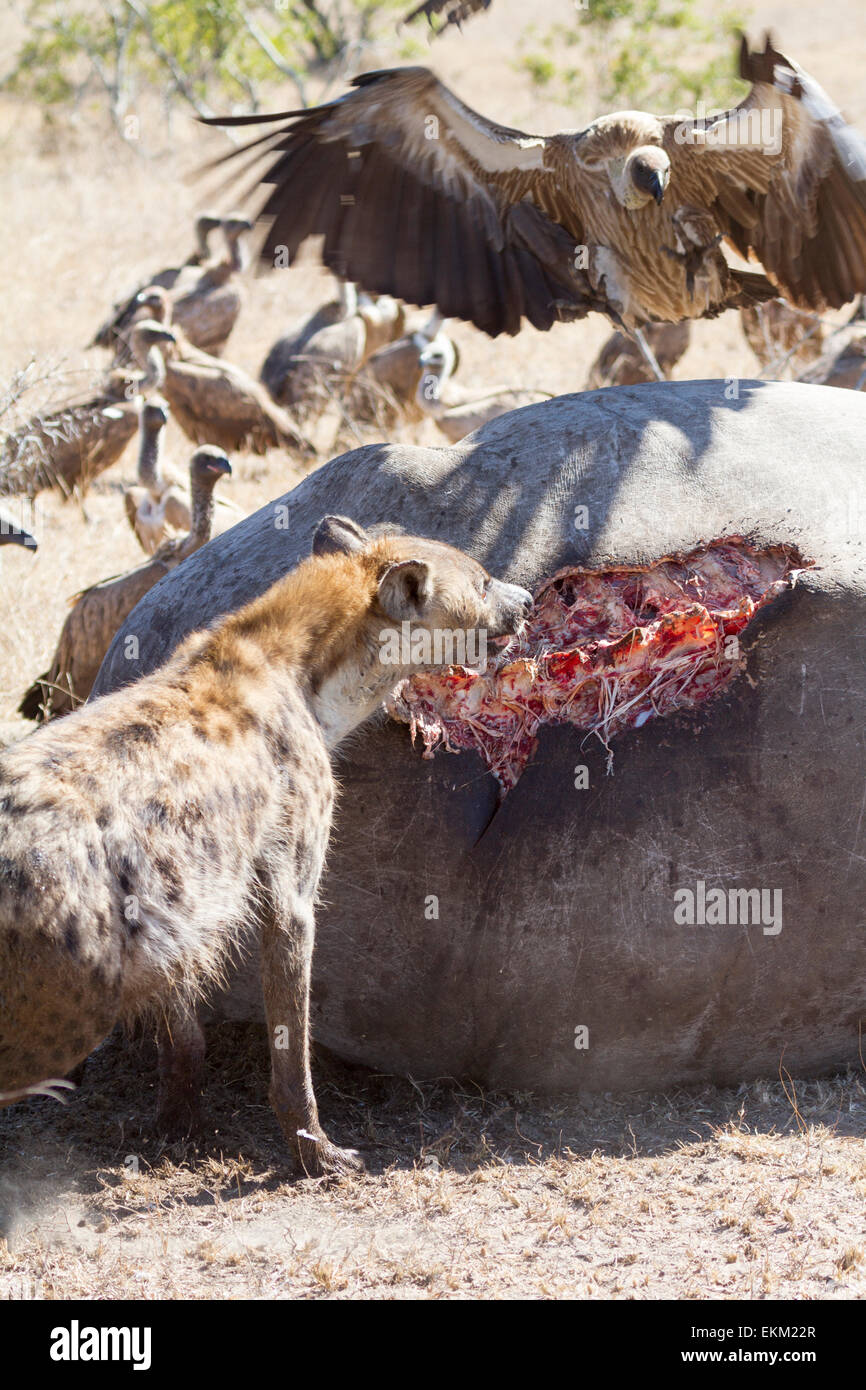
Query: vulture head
[
  {"x": 152, "y": 343},
  {"x": 156, "y": 301},
  {"x": 645, "y": 176},
  {"x": 205, "y": 224},
  {"x": 154, "y": 415},
  {"x": 208, "y": 464},
  {"x": 149, "y": 334},
  {"x": 235, "y": 227},
  {"x": 438, "y": 364}
]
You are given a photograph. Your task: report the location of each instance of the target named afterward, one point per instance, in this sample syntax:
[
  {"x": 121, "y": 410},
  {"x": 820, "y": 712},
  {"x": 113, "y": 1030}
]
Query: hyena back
[{"x": 143, "y": 836}]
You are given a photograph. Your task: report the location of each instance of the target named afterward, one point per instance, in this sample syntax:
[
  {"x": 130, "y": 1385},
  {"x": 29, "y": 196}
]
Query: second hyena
[{"x": 143, "y": 836}]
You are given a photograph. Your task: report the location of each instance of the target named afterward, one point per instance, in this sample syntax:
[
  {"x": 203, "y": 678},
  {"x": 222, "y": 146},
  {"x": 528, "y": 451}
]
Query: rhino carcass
[{"x": 698, "y": 912}]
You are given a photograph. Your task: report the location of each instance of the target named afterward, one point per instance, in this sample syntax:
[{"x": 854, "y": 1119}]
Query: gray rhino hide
[{"x": 556, "y": 912}]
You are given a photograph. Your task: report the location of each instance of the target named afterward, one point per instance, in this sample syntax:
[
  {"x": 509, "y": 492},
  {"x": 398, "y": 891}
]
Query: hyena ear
[
  {"x": 339, "y": 535},
  {"x": 404, "y": 590}
]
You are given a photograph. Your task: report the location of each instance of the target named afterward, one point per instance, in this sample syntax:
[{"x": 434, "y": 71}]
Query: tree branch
[{"x": 271, "y": 51}]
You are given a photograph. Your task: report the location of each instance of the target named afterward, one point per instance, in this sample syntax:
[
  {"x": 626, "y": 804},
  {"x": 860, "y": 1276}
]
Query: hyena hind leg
[
  {"x": 287, "y": 933},
  {"x": 181, "y": 1054}
]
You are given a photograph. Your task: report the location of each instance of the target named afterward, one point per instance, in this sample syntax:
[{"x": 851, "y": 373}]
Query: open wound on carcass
[{"x": 604, "y": 650}]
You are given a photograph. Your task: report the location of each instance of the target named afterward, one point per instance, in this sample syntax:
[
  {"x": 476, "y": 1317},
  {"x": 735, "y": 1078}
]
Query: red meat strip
[{"x": 604, "y": 650}]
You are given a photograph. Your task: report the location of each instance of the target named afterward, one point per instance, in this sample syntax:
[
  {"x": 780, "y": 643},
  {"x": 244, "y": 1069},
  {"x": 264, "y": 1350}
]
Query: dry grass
[
  {"x": 697, "y": 1194},
  {"x": 694, "y": 1195}
]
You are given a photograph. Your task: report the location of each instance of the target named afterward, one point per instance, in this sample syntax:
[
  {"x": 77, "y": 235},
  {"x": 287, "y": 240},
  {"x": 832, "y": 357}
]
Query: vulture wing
[
  {"x": 786, "y": 178},
  {"x": 418, "y": 196},
  {"x": 453, "y": 12}
]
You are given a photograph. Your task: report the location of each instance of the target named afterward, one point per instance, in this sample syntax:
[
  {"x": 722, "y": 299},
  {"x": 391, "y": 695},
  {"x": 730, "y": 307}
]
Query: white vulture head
[{"x": 641, "y": 178}]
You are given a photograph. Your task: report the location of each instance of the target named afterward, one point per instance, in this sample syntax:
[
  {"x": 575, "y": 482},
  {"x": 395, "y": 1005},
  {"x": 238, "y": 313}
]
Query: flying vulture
[
  {"x": 454, "y": 12},
  {"x": 420, "y": 197}
]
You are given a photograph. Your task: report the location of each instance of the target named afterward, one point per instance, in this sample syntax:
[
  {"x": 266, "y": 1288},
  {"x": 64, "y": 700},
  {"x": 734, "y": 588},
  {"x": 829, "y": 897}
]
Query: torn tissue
[{"x": 604, "y": 650}]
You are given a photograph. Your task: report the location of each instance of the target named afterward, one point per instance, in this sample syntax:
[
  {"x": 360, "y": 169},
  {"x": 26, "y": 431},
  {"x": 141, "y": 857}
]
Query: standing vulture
[
  {"x": 385, "y": 388},
  {"x": 452, "y": 12},
  {"x": 204, "y": 302},
  {"x": 156, "y": 503},
  {"x": 328, "y": 358},
  {"x": 99, "y": 611},
  {"x": 67, "y": 445},
  {"x": 420, "y": 197},
  {"x": 160, "y": 504},
  {"x": 180, "y": 278},
  {"x": 208, "y": 311},
  {"x": 456, "y": 412},
  {"x": 212, "y": 400}
]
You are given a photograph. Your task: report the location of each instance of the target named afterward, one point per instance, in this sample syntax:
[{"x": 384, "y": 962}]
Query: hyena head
[{"x": 427, "y": 584}]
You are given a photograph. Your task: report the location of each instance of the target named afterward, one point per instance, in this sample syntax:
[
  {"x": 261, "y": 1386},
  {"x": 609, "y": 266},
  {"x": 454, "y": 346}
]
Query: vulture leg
[{"x": 649, "y": 355}]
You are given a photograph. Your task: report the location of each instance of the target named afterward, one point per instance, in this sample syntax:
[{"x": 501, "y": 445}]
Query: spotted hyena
[{"x": 145, "y": 834}]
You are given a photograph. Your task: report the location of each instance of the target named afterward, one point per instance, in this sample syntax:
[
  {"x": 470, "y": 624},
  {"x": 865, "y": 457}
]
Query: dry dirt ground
[
  {"x": 700, "y": 1194},
  {"x": 757, "y": 1193}
]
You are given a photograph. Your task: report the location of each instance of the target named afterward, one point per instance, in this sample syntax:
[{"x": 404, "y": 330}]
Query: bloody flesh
[{"x": 604, "y": 650}]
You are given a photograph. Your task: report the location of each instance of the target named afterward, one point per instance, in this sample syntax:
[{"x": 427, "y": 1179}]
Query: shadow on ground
[{"x": 106, "y": 1128}]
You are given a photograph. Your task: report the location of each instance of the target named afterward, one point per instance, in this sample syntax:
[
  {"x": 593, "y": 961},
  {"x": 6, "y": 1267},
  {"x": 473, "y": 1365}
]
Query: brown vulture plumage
[
  {"x": 99, "y": 611},
  {"x": 452, "y": 12},
  {"x": 418, "y": 196},
  {"x": 212, "y": 400}
]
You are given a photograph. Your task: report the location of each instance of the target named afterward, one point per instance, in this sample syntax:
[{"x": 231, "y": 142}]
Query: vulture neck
[
  {"x": 150, "y": 459},
  {"x": 154, "y": 370},
  {"x": 348, "y": 299},
  {"x": 203, "y": 230},
  {"x": 236, "y": 254},
  {"x": 201, "y": 519},
  {"x": 429, "y": 393}
]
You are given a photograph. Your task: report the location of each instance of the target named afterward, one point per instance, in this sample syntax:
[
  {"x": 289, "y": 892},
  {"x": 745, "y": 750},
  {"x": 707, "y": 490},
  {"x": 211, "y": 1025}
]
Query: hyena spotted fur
[{"x": 143, "y": 836}]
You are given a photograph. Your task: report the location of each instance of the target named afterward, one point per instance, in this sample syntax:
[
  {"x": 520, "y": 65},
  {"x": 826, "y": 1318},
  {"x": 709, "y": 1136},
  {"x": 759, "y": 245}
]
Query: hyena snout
[{"x": 509, "y": 607}]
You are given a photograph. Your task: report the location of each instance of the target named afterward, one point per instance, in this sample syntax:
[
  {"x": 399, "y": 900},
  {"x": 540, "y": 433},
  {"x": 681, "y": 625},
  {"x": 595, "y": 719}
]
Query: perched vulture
[
  {"x": 98, "y": 612},
  {"x": 299, "y": 368},
  {"x": 452, "y": 11},
  {"x": 385, "y": 388},
  {"x": 420, "y": 197},
  {"x": 181, "y": 278},
  {"x": 620, "y": 361},
  {"x": 160, "y": 504},
  {"x": 458, "y": 413},
  {"x": 67, "y": 445},
  {"x": 212, "y": 400},
  {"x": 204, "y": 296}
]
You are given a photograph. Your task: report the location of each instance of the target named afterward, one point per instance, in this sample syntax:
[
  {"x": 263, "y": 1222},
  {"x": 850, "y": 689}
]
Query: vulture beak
[
  {"x": 657, "y": 187},
  {"x": 221, "y": 467}
]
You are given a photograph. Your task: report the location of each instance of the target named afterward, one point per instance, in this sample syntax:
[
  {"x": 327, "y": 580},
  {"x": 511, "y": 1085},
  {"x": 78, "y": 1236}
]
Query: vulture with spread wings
[
  {"x": 418, "y": 196},
  {"x": 452, "y": 12}
]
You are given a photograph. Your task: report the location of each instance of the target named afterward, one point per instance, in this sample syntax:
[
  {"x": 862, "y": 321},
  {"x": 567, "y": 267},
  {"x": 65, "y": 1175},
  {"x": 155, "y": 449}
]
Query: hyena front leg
[
  {"x": 287, "y": 933},
  {"x": 181, "y": 1053}
]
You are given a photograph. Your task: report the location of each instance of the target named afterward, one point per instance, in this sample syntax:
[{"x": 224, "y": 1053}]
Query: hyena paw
[{"x": 318, "y": 1157}]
